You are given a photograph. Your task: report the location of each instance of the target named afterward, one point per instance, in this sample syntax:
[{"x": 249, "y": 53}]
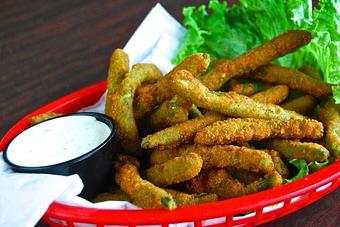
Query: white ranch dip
[{"x": 56, "y": 141}]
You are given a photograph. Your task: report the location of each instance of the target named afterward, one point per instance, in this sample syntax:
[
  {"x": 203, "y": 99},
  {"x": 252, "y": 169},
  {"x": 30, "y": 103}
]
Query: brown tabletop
[{"x": 51, "y": 48}]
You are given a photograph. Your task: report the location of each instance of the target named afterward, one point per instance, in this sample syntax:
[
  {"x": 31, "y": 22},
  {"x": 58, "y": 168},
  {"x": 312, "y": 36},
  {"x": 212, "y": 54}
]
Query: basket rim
[{"x": 229, "y": 207}]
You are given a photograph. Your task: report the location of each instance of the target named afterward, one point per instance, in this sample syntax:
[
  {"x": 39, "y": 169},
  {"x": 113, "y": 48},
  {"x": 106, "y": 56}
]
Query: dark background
[{"x": 51, "y": 48}]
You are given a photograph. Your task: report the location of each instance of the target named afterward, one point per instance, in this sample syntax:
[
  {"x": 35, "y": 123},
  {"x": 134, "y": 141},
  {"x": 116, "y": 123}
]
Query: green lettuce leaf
[
  {"x": 315, "y": 166},
  {"x": 228, "y": 31},
  {"x": 302, "y": 167}
]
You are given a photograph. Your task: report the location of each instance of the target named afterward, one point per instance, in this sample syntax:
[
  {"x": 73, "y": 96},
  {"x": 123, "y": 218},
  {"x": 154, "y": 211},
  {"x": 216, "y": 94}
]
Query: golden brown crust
[
  {"x": 42, "y": 117},
  {"x": 142, "y": 193},
  {"x": 119, "y": 66},
  {"x": 294, "y": 79},
  {"x": 273, "y": 95},
  {"x": 121, "y": 159},
  {"x": 145, "y": 100},
  {"x": 247, "y": 129},
  {"x": 229, "y": 103},
  {"x": 180, "y": 133},
  {"x": 176, "y": 170},
  {"x": 176, "y": 109},
  {"x": 293, "y": 149},
  {"x": 184, "y": 199},
  {"x": 122, "y": 105},
  {"x": 256, "y": 57},
  {"x": 329, "y": 115},
  {"x": 279, "y": 164},
  {"x": 302, "y": 105},
  {"x": 220, "y": 156}
]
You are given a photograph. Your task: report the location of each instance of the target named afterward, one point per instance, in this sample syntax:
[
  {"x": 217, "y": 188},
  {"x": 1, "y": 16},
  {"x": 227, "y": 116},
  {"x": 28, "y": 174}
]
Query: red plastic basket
[{"x": 258, "y": 207}]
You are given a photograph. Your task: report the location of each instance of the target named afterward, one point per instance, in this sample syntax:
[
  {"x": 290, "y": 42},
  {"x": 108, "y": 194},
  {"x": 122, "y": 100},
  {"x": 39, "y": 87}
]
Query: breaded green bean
[
  {"x": 180, "y": 133},
  {"x": 170, "y": 112},
  {"x": 274, "y": 179},
  {"x": 175, "y": 170},
  {"x": 176, "y": 109},
  {"x": 292, "y": 149},
  {"x": 270, "y": 180},
  {"x": 195, "y": 112},
  {"x": 121, "y": 159},
  {"x": 256, "y": 57},
  {"x": 142, "y": 193},
  {"x": 184, "y": 199},
  {"x": 311, "y": 71},
  {"x": 246, "y": 89},
  {"x": 118, "y": 67},
  {"x": 230, "y": 103},
  {"x": 108, "y": 196},
  {"x": 294, "y": 79},
  {"x": 122, "y": 103},
  {"x": 302, "y": 105},
  {"x": 218, "y": 181},
  {"x": 145, "y": 100},
  {"x": 273, "y": 95},
  {"x": 279, "y": 164},
  {"x": 195, "y": 64},
  {"x": 247, "y": 129},
  {"x": 220, "y": 156},
  {"x": 244, "y": 176},
  {"x": 42, "y": 117},
  {"x": 330, "y": 116}
]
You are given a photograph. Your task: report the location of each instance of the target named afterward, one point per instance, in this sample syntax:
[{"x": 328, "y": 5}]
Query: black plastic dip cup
[{"x": 93, "y": 166}]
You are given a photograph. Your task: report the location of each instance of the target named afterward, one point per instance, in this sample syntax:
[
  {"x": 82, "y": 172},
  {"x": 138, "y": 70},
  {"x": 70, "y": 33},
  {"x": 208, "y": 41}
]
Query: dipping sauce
[{"x": 57, "y": 140}]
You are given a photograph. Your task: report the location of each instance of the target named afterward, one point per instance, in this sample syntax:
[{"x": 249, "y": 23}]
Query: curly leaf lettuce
[
  {"x": 228, "y": 31},
  {"x": 301, "y": 166}
]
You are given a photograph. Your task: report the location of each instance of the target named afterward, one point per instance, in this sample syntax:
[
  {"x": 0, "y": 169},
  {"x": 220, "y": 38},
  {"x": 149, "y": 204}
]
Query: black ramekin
[{"x": 94, "y": 167}]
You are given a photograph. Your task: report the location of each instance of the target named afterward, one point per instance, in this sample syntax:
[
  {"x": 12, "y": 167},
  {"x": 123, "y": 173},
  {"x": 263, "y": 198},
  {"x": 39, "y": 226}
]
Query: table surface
[{"x": 51, "y": 48}]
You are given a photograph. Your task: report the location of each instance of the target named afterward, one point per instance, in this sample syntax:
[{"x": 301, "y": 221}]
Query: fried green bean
[
  {"x": 176, "y": 170},
  {"x": 108, "y": 196},
  {"x": 273, "y": 95},
  {"x": 256, "y": 57},
  {"x": 42, "y": 117},
  {"x": 216, "y": 181},
  {"x": 195, "y": 112},
  {"x": 145, "y": 100},
  {"x": 219, "y": 156},
  {"x": 244, "y": 176},
  {"x": 246, "y": 89},
  {"x": 294, "y": 79},
  {"x": 279, "y": 164},
  {"x": 311, "y": 71},
  {"x": 302, "y": 105},
  {"x": 180, "y": 133},
  {"x": 220, "y": 182},
  {"x": 330, "y": 116},
  {"x": 184, "y": 199},
  {"x": 121, "y": 159},
  {"x": 118, "y": 67},
  {"x": 292, "y": 149},
  {"x": 122, "y": 103},
  {"x": 142, "y": 193},
  {"x": 230, "y": 103},
  {"x": 170, "y": 112},
  {"x": 270, "y": 180},
  {"x": 247, "y": 129},
  {"x": 195, "y": 64},
  {"x": 176, "y": 109}
]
